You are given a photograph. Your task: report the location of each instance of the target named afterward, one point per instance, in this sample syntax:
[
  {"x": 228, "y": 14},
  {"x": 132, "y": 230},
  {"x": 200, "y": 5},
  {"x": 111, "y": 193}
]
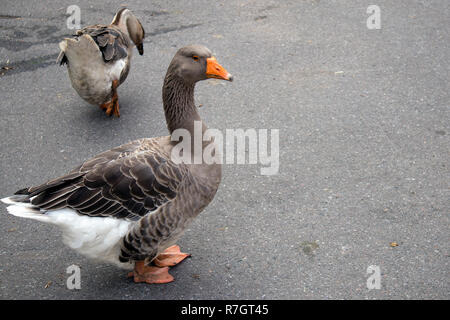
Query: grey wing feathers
[
  {"x": 111, "y": 41},
  {"x": 120, "y": 183}
]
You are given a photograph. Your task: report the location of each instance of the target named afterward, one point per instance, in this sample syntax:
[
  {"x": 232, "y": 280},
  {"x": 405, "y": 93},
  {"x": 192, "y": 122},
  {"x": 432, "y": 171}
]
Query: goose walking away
[
  {"x": 128, "y": 206},
  {"x": 98, "y": 59}
]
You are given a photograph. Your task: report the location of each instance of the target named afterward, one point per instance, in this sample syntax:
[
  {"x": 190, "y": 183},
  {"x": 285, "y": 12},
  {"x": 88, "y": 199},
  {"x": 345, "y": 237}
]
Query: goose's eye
[{"x": 195, "y": 58}]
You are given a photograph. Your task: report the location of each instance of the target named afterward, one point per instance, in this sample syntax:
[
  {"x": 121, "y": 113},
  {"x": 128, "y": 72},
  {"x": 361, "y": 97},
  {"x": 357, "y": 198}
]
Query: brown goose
[
  {"x": 98, "y": 59},
  {"x": 128, "y": 205}
]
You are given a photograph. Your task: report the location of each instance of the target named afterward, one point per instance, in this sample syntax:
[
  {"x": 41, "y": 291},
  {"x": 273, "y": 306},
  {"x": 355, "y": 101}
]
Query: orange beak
[{"x": 215, "y": 70}]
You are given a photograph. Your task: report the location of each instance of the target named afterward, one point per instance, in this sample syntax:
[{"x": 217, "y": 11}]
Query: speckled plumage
[
  {"x": 138, "y": 182},
  {"x": 145, "y": 199}
]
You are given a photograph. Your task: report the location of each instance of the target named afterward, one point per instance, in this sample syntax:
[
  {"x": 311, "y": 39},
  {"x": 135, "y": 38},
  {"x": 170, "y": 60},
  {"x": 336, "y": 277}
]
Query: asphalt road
[{"x": 363, "y": 118}]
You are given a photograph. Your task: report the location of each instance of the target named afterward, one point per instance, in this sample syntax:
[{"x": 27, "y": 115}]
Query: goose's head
[
  {"x": 127, "y": 21},
  {"x": 195, "y": 63}
]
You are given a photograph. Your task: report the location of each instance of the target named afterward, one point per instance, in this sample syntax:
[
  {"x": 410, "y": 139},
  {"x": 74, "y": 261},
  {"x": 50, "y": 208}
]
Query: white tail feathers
[
  {"x": 29, "y": 213},
  {"x": 24, "y": 209},
  {"x": 95, "y": 237},
  {"x": 8, "y": 200}
]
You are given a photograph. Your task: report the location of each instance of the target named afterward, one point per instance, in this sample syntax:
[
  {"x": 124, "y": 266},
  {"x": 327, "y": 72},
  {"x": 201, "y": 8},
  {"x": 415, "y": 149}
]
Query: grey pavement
[{"x": 363, "y": 118}]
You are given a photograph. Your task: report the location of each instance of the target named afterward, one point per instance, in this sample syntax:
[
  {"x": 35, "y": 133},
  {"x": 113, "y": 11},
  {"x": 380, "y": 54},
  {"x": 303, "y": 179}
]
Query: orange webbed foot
[
  {"x": 150, "y": 274},
  {"x": 170, "y": 257},
  {"x": 106, "y": 106},
  {"x": 159, "y": 272}
]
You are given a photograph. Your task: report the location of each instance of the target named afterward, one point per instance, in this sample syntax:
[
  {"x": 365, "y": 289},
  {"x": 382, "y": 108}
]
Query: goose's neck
[
  {"x": 120, "y": 20},
  {"x": 179, "y": 106}
]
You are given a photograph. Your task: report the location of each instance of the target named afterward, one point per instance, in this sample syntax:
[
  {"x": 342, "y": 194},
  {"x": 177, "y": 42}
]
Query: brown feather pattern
[
  {"x": 126, "y": 182},
  {"x": 110, "y": 40}
]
